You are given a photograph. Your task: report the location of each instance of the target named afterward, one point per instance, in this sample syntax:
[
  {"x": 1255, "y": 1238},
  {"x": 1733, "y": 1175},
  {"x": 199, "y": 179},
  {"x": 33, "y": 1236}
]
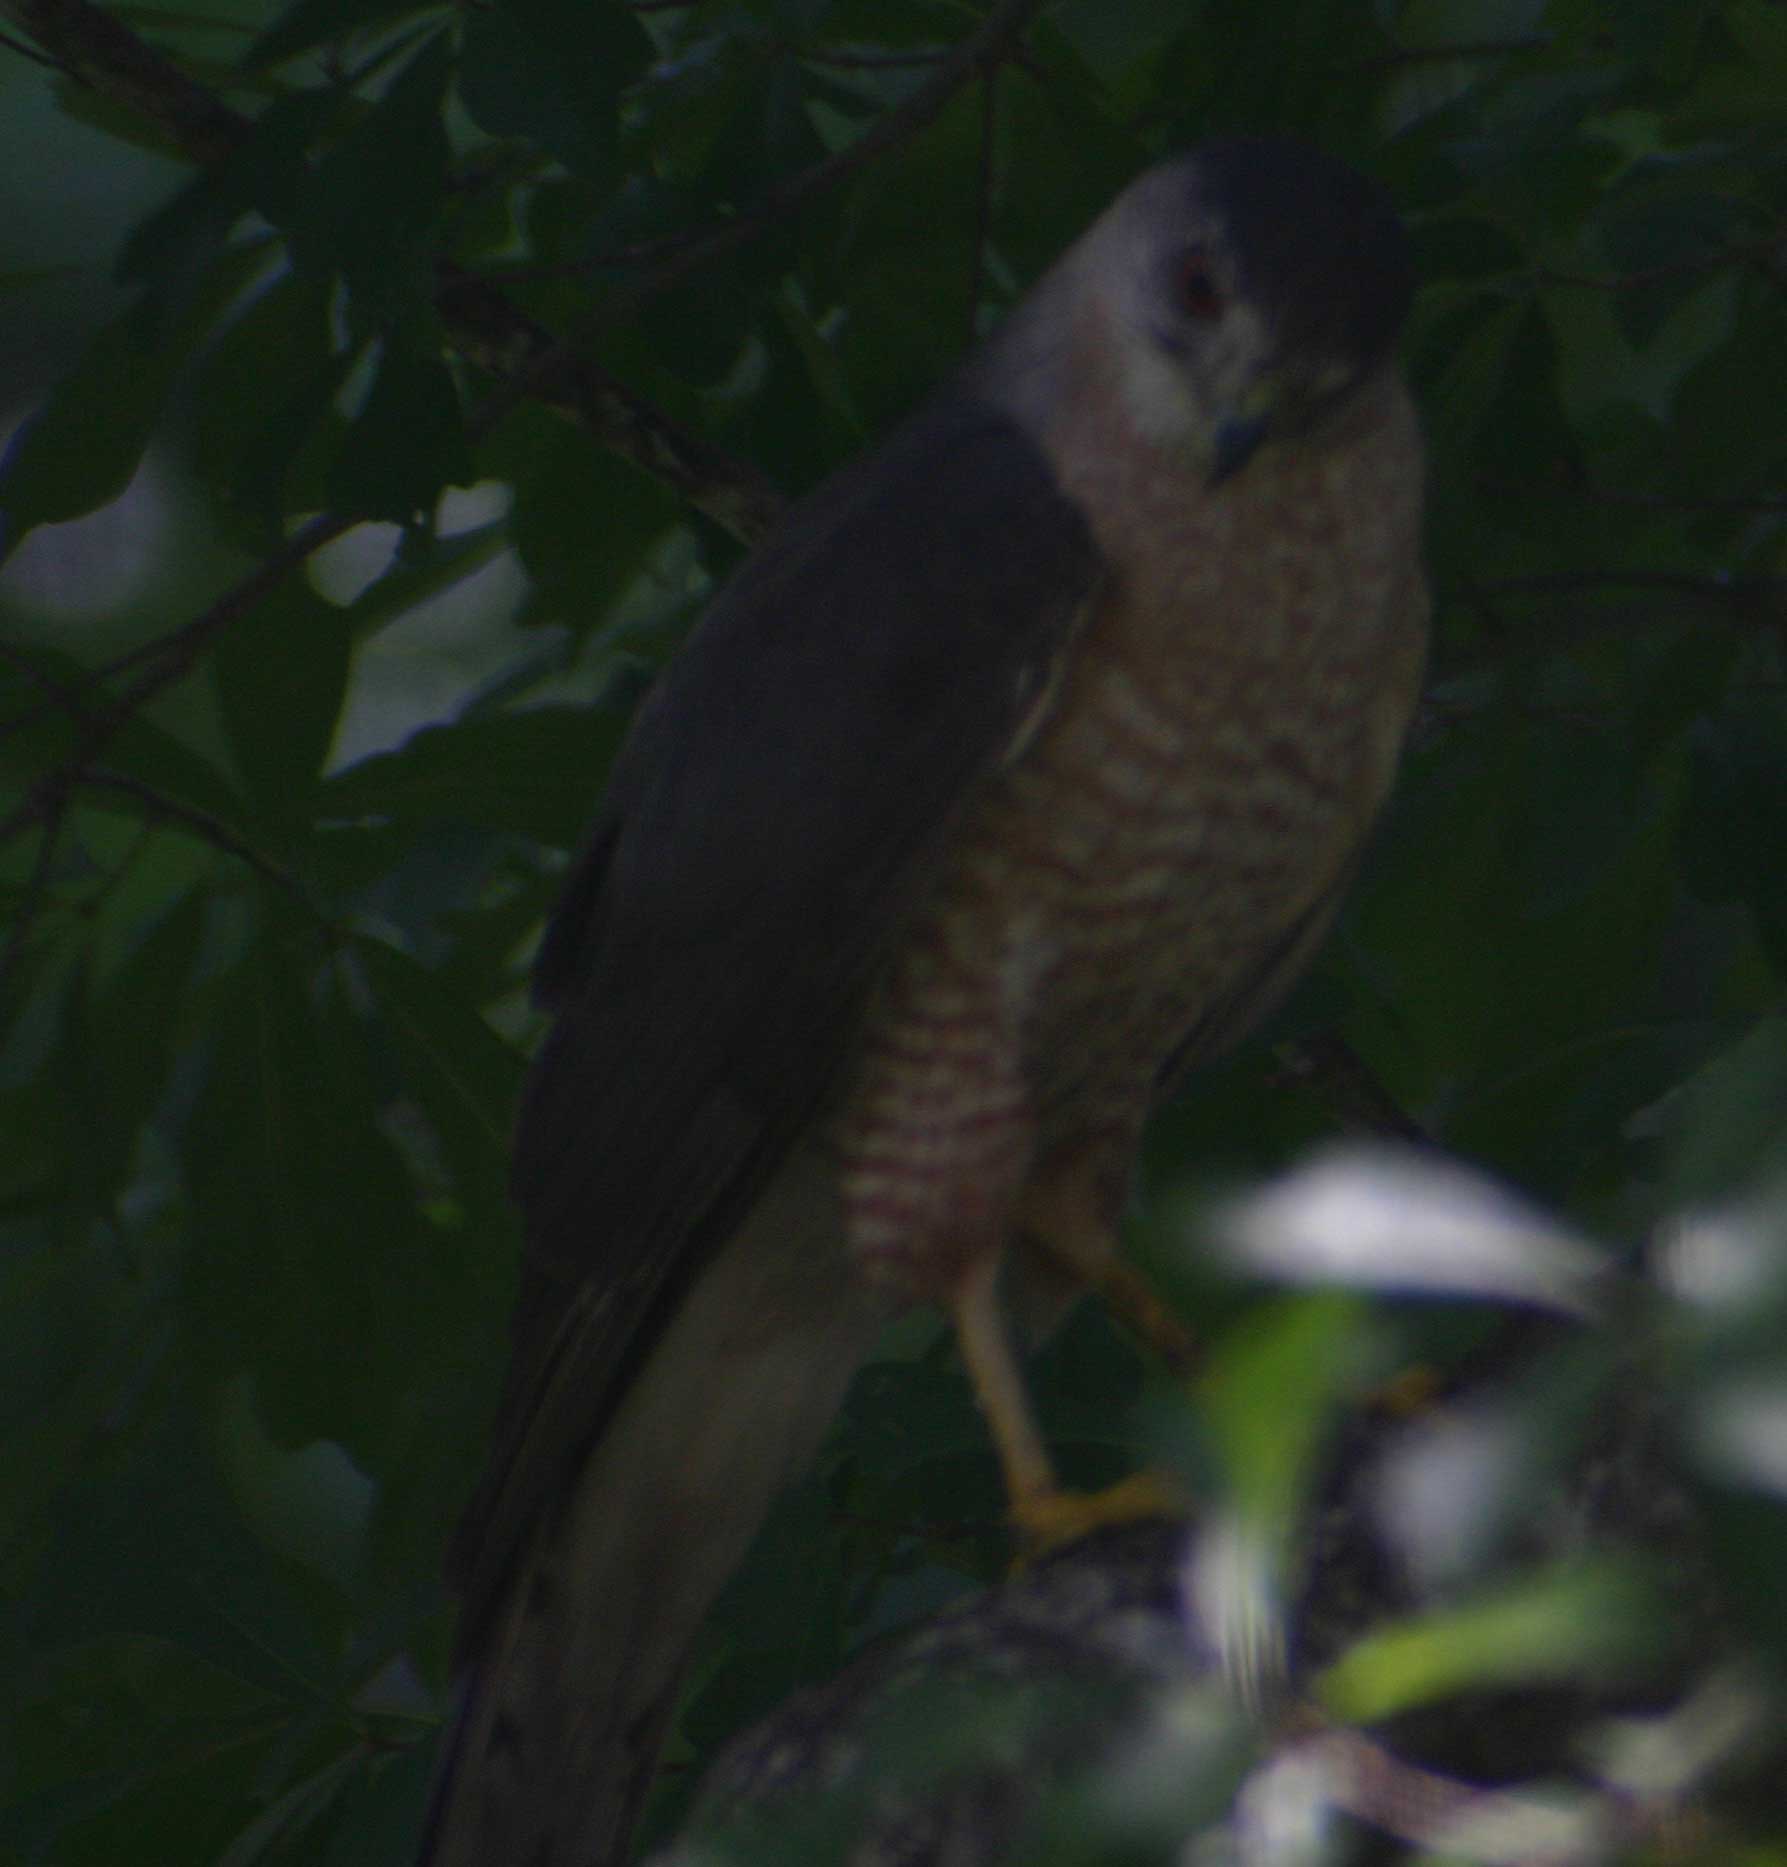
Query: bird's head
[{"x": 1247, "y": 289}]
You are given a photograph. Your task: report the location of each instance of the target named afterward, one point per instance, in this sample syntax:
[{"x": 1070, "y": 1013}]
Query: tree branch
[
  {"x": 98, "y": 51},
  {"x": 207, "y": 827},
  {"x": 105, "y": 55},
  {"x": 1327, "y": 1067},
  {"x": 491, "y": 332},
  {"x": 981, "y": 51},
  {"x": 167, "y": 658},
  {"x": 94, "y": 48}
]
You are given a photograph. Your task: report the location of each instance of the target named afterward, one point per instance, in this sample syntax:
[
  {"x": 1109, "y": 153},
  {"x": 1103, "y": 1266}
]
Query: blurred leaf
[
  {"x": 1379, "y": 1219},
  {"x": 292, "y": 1815},
  {"x": 1269, "y": 1393},
  {"x": 1723, "y": 1123},
  {"x": 1583, "y": 1620},
  {"x": 254, "y": 1187},
  {"x": 1738, "y": 816}
]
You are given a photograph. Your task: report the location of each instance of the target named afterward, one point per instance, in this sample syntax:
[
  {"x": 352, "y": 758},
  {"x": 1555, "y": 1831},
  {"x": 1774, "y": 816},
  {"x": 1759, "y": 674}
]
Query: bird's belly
[
  {"x": 1172, "y": 851},
  {"x": 1111, "y": 889}
]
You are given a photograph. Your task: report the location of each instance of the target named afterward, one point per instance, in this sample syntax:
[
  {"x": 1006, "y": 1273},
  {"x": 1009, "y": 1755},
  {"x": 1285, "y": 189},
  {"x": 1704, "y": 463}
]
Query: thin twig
[
  {"x": 1432, "y": 1811},
  {"x": 32, "y": 53},
  {"x": 168, "y": 657},
  {"x": 982, "y": 49},
  {"x": 105, "y": 54},
  {"x": 99, "y": 51},
  {"x": 31, "y": 899},
  {"x": 62, "y": 696},
  {"x": 209, "y": 828},
  {"x": 1328, "y": 1067},
  {"x": 490, "y": 331}
]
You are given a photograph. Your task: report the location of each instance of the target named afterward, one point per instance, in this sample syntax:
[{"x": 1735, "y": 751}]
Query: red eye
[{"x": 1195, "y": 290}]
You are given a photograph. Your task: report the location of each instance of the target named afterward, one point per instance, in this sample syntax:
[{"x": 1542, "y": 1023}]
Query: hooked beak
[
  {"x": 1236, "y": 439},
  {"x": 1239, "y": 434},
  {"x": 1255, "y": 419}
]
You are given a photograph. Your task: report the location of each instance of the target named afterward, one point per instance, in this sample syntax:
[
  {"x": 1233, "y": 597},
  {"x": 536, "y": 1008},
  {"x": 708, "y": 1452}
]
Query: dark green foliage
[{"x": 275, "y": 853}]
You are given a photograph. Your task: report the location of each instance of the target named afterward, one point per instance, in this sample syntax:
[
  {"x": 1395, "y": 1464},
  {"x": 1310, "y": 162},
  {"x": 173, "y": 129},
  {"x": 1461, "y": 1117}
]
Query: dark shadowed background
[{"x": 331, "y": 582}]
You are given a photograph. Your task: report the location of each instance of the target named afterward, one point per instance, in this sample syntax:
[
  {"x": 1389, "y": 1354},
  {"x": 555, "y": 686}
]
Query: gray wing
[{"x": 768, "y": 827}]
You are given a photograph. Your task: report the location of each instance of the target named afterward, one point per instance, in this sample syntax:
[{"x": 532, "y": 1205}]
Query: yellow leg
[
  {"x": 999, "y": 1385},
  {"x": 1044, "y": 1514}
]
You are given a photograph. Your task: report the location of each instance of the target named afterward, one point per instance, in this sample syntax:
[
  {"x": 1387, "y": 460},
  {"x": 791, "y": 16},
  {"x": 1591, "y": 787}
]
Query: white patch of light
[{"x": 1382, "y": 1218}]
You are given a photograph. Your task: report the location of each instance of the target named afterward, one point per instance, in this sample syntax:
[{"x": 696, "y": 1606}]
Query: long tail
[{"x": 564, "y": 1705}]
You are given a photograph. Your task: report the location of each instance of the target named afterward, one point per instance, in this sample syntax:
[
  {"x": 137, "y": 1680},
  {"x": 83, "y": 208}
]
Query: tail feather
[{"x": 564, "y": 1704}]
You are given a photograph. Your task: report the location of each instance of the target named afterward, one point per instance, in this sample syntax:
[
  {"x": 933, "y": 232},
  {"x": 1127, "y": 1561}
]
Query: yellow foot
[{"x": 1047, "y": 1520}]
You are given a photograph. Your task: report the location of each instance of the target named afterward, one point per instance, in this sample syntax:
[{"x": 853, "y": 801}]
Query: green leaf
[
  {"x": 584, "y": 521},
  {"x": 263, "y": 390},
  {"x": 81, "y": 448},
  {"x": 286, "y": 661},
  {"x": 536, "y": 773},
  {"x": 406, "y": 445},
  {"x": 1738, "y": 816},
  {"x": 466, "y": 1078},
  {"x": 1269, "y": 1398},
  {"x": 1723, "y": 1122},
  {"x": 315, "y": 1268},
  {"x": 163, "y": 767},
  {"x": 158, "y": 1548},
  {"x": 135, "y": 1033},
  {"x": 1585, "y": 1619},
  {"x": 909, "y": 264},
  {"x": 376, "y": 233},
  {"x": 551, "y": 72},
  {"x": 422, "y": 571}
]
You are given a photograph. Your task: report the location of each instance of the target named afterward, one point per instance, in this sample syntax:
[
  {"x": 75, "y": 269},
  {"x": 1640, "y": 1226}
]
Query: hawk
[{"x": 1020, "y": 770}]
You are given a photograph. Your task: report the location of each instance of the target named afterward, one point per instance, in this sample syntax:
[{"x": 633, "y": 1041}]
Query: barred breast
[{"x": 1218, "y": 742}]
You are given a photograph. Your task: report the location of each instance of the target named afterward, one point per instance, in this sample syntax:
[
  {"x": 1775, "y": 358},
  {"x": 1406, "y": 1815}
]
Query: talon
[{"x": 1049, "y": 1520}]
